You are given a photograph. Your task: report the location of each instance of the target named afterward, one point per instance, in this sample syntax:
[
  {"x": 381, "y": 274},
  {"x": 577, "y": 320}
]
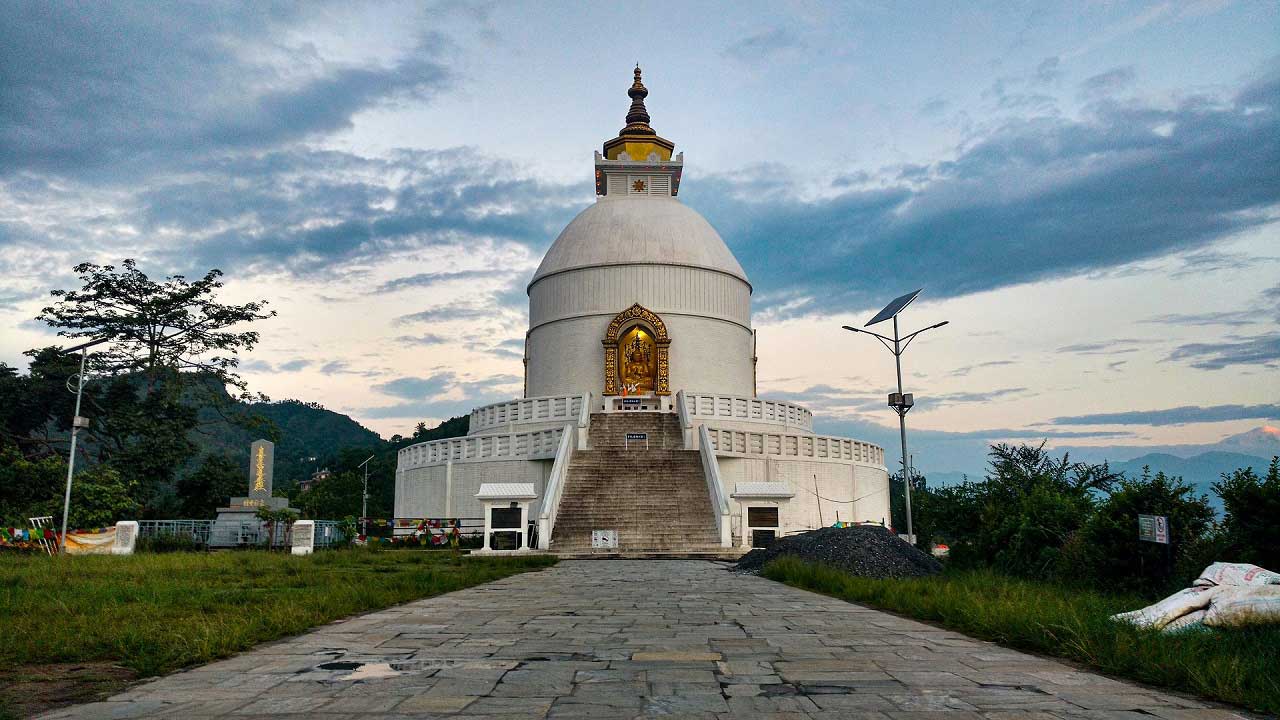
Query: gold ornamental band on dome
[
  {"x": 637, "y": 314},
  {"x": 638, "y": 139}
]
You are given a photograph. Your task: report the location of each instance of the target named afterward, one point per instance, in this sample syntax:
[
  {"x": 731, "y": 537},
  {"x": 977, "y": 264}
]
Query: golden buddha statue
[{"x": 636, "y": 359}]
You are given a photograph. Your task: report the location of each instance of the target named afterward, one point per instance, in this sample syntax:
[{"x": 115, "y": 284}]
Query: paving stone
[{"x": 633, "y": 639}]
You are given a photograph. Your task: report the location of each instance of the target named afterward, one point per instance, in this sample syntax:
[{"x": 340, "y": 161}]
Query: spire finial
[
  {"x": 638, "y": 139},
  {"x": 638, "y": 115}
]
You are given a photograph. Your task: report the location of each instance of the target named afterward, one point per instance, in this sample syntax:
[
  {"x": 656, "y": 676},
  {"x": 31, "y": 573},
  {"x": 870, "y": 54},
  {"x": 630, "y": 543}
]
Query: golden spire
[{"x": 637, "y": 139}]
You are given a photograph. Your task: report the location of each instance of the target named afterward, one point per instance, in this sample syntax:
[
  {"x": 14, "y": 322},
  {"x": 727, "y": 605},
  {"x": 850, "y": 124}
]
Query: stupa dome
[{"x": 638, "y": 230}]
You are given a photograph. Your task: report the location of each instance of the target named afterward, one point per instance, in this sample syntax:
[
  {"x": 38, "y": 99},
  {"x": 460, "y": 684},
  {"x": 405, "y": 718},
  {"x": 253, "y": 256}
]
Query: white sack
[
  {"x": 1249, "y": 605},
  {"x": 1221, "y": 573},
  {"x": 1170, "y": 608},
  {"x": 1191, "y": 621}
]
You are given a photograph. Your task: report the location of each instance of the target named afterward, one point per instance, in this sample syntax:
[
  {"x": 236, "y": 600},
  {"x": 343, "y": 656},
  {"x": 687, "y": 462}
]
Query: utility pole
[
  {"x": 364, "y": 499},
  {"x": 77, "y": 422},
  {"x": 901, "y": 402}
]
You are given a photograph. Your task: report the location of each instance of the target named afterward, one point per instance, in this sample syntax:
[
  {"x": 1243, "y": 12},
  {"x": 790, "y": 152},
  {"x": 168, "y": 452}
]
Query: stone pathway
[{"x": 626, "y": 639}]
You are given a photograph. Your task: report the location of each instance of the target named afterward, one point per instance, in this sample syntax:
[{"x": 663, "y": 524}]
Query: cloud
[
  {"x": 763, "y": 46},
  {"x": 965, "y": 370},
  {"x": 441, "y": 395},
  {"x": 1255, "y": 350},
  {"x": 423, "y": 339},
  {"x": 293, "y": 365},
  {"x": 422, "y": 280},
  {"x": 1175, "y": 416},
  {"x": 1231, "y": 317},
  {"x": 115, "y": 84},
  {"x": 1034, "y": 199},
  {"x": 1107, "y": 347},
  {"x": 414, "y": 388},
  {"x": 1108, "y": 83}
]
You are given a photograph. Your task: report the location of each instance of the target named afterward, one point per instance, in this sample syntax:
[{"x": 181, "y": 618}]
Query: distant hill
[
  {"x": 307, "y": 434},
  {"x": 1201, "y": 470}
]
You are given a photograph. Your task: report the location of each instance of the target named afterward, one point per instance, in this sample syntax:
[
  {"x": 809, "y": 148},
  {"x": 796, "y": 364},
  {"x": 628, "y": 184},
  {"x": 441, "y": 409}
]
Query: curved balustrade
[
  {"x": 505, "y": 415},
  {"x": 533, "y": 445},
  {"x": 704, "y": 407},
  {"x": 789, "y": 445}
]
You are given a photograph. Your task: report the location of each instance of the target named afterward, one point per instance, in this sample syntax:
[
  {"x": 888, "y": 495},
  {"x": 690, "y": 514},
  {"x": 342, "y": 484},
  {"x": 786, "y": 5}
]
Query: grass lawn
[
  {"x": 1237, "y": 666},
  {"x": 110, "y": 619}
]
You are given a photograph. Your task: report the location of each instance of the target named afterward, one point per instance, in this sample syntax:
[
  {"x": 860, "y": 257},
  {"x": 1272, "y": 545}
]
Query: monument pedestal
[{"x": 239, "y": 525}]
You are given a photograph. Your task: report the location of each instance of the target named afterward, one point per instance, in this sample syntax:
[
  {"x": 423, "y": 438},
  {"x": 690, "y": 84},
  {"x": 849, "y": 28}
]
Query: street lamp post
[
  {"x": 901, "y": 402},
  {"x": 77, "y": 422},
  {"x": 364, "y": 499}
]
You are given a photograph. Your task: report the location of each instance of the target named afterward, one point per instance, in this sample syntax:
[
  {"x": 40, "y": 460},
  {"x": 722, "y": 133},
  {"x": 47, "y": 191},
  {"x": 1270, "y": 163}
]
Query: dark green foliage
[
  {"x": 1031, "y": 504},
  {"x": 211, "y": 486},
  {"x": 1107, "y": 549},
  {"x": 1236, "y": 666},
  {"x": 33, "y": 487},
  {"x": 948, "y": 515},
  {"x": 1251, "y": 528}
]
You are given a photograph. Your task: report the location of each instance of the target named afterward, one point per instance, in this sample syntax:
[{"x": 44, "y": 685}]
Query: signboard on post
[
  {"x": 636, "y": 437},
  {"x": 1153, "y": 528}
]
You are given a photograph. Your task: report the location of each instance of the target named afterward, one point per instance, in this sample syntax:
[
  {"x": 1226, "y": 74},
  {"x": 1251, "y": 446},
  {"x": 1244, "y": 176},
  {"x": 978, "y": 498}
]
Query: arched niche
[{"x": 638, "y": 328}]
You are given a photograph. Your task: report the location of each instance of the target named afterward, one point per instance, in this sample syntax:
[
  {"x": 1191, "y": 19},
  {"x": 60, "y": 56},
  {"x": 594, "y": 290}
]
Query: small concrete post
[
  {"x": 304, "y": 537},
  {"x": 126, "y": 537}
]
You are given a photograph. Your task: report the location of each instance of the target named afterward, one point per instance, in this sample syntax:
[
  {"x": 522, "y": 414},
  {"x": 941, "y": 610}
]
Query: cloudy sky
[{"x": 1089, "y": 193}]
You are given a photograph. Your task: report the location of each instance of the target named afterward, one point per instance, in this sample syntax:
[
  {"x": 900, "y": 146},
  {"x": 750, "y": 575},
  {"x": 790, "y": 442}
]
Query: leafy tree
[
  {"x": 34, "y": 487},
  {"x": 1031, "y": 504},
  {"x": 1107, "y": 548},
  {"x": 218, "y": 479},
  {"x": 172, "y": 347},
  {"x": 335, "y": 496},
  {"x": 1251, "y": 525},
  {"x": 156, "y": 326},
  {"x": 28, "y": 485},
  {"x": 898, "y": 500},
  {"x": 949, "y": 514},
  {"x": 99, "y": 497}
]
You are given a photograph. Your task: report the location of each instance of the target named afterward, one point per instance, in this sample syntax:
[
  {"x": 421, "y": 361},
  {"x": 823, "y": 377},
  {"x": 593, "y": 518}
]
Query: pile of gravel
[{"x": 866, "y": 550}]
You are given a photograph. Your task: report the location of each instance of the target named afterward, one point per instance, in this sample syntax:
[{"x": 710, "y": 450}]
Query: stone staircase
[{"x": 655, "y": 498}]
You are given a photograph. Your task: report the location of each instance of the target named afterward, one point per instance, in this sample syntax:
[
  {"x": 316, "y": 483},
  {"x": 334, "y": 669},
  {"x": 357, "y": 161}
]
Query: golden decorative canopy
[{"x": 637, "y": 139}]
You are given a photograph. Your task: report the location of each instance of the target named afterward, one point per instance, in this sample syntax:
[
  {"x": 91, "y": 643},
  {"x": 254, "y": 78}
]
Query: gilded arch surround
[{"x": 637, "y": 315}]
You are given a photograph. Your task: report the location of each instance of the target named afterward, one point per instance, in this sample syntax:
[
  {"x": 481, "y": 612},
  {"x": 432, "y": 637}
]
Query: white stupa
[{"x": 640, "y": 419}]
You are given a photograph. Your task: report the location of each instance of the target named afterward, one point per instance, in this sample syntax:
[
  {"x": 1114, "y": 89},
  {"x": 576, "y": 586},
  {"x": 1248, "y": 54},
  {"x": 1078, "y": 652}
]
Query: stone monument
[{"x": 238, "y": 523}]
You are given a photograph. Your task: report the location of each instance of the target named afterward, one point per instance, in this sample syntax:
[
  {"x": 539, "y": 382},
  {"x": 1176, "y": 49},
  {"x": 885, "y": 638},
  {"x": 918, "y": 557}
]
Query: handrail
[
  {"x": 584, "y": 413},
  {"x": 555, "y": 488},
  {"x": 686, "y": 425},
  {"x": 715, "y": 486}
]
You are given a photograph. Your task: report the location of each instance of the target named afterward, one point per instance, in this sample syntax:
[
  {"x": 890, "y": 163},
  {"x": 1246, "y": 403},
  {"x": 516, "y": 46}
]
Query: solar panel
[{"x": 893, "y": 308}]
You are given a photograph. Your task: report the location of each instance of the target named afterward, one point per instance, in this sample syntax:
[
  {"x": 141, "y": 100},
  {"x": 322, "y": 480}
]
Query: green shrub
[
  {"x": 1251, "y": 526},
  {"x": 1107, "y": 549}
]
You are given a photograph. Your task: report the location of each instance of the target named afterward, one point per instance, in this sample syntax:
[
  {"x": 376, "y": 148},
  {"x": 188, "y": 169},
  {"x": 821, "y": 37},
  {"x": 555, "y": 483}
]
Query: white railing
[
  {"x": 817, "y": 447},
  {"x": 704, "y": 406},
  {"x": 507, "y": 415},
  {"x": 554, "y": 488},
  {"x": 686, "y": 423},
  {"x": 532, "y": 445},
  {"x": 715, "y": 486}
]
